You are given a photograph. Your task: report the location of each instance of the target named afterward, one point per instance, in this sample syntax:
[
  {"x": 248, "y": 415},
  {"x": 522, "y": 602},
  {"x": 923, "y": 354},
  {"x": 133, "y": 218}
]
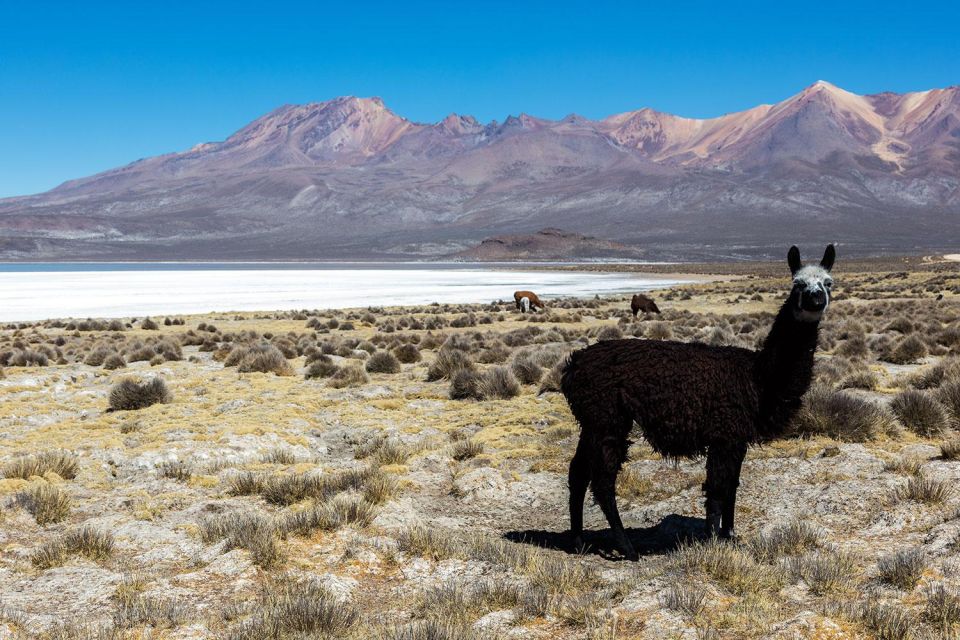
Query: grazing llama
[
  {"x": 692, "y": 399},
  {"x": 640, "y": 302},
  {"x": 532, "y": 299}
]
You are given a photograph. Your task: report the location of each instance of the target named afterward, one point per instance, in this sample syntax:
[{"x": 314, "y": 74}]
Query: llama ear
[
  {"x": 828, "y": 257},
  {"x": 793, "y": 259}
]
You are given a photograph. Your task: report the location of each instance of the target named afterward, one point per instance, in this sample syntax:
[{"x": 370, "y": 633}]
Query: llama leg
[
  {"x": 737, "y": 454},
  {"x": 603, "y": 483},
  {"x": 715, "y": 488},
  {"x": 579, "y": 478}
]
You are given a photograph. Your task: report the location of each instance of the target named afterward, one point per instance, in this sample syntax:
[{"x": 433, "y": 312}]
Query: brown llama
[
  {"x": 692, "y": 399},
  {"x": 643, "y": 303},
  {"x": 532, "y": 299}
]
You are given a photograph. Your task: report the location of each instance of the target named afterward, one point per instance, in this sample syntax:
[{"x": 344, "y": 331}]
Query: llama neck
[{"x": 785, "y": 363}]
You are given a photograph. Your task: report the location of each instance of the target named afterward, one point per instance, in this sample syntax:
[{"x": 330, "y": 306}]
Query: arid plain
[{"x": 401, "y": 473}]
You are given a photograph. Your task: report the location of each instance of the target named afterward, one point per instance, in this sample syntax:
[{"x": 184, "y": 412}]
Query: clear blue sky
[{"x": 86, "y": 86}]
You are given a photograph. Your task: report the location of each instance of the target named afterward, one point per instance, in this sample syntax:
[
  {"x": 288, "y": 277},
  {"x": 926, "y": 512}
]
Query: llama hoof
[{"x": 728, "y": 534}]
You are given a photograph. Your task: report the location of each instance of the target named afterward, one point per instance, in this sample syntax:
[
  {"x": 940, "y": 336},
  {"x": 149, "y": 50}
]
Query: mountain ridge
[{"x": 348, "y": 176}]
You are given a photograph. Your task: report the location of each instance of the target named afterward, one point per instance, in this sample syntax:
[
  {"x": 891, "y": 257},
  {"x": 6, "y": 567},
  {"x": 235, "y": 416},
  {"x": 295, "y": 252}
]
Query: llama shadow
[{"x": 661, "y": 538}]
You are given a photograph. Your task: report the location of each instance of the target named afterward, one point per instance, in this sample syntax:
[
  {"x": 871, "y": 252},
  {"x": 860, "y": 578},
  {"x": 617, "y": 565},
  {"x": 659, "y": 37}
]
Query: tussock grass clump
[
  {"x": 379, "y": 488},
  {"x": 825, "y": 571},
  {"x": 98, "y": 356},
  {"x": 296, "y": 608},
  {"x": 551, "y": 381},
  {"x": 921, "y": 413},
  {"x": 321, "y": 368},
  {"x": 495, "y": 353},
  {"x": 294, "y": 487},
  {"x": 149, "y": 325},
  {"x": 466, "y": 449},
  {"x": 349, "y": 376},
  {"x": 526, "y": 368},
  {"x": 950, "y": 450},
  {"x": 248, "y": 530},
  {"x": 689, "y": 599},
  {"x": 447, "y": 363},
  {"x": 942, "y": 609},
  {"x": 279, "y": 455},
  {"x": 861, "y": 379},
  {"x": 610, "y": 332},
  {"x": 499, "y": 383},
  {"x": 853, "y": 347},
  {"x": 465, "y": 385},
  {"x": 658, "y": 330},
  {"x": 949, "y": 395},
  {"x": 264, "y": 358},
  {"x": 902, "y": 569},
  {"x": 382, "y": 362},
  {"x": 131, "y": 395},
  {"x": 175, "y": 470},
  {"x": 245, "y": 483},
  {"x": 62, "y": 463},
  {"x": 729, "y": 565},
  {"x": 886, "y": 621},
  {"x": 842, "y": 416},
  {"x": 906, "y": 465},
  {"x": 140, "y": 609},
  {"x": 435, "y": 630},
  {"x": 427, "y": 542},
  {"x": 925, "y": 489},
  {"x": 790, "y": 539},
  {"x": 46, "y": 502},
  {"x": 86, "y": 541},
  {"x": 408, "y": 353},
  {"x": 330, "y": 515},
  {"x": 906, "y": 351},
  {"x": 114, "y": 361}
]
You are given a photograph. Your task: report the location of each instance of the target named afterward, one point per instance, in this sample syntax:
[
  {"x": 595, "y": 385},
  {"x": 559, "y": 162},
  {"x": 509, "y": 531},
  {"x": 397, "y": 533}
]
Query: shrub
[
  {"x": 62, "y": 463},
  {"x": 264, "y": 358},
  {"x": 350, "y": 376},
  {"x": 860, "y": 379},
  {"x": 902, "y": 569},
  {"x": 86, "y": 541},
  {"x": 382, "y": 362},
  {"x": 790, "y": 539},
  {"x": 495, "y": 353},
  {"x": 114, "y": 361},
  {"x": 130, "y": 395},
  {"x": 950, "y": 450},
  {"x": 824, "y": 571},
  {"x": 248, "y": 530},
  {"x": 466, "y": 449},
  {"x": 610, "y": 332},
  {"x": 296, "y": 608},
  {"x": 853, "y": 347},
  {"x": 658, "y": 330},
  {"x": 842, "y": 416},
  {"x": 525, "y": 367},
  {"x": 149, "y": 325},
  {"x": 949, "y": 395},
  {"x": 907, "y": 351},
  {"x": 921, "y": 413},
  {"x": 175, "y": 470},
  {"x": 321, "y": 369},
  {"x": 98, "y": 356},
  {"x": 499, "y": 382},
  {"x": 408, "y": 353},
  {"x": 465, "y": 385},
  {"x": 943, "y": 608},
  {"x": 46, "y": 502},
  {"x": 447, "y": 363},
  {"x": 921, "y": 488}
]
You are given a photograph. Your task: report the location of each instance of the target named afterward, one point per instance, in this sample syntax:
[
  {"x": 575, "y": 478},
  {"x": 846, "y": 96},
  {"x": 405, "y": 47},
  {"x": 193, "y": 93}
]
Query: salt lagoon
[{"x": 43, "y": 291}]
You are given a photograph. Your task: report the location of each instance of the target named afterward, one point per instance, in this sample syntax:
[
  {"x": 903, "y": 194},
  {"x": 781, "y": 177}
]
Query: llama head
[{"x": 810, "y": 296}]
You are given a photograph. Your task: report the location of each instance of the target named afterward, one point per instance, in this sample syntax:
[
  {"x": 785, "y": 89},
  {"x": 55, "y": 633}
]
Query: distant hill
[
  {"x": 548, "y": 244},
  {"x": 348, "y": 178}
]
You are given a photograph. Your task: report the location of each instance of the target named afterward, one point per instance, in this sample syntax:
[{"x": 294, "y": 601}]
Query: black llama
[{"x": 692, "y": 399}]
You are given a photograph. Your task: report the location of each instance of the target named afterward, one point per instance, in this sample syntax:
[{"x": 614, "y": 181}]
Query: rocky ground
[{"x": 401, "y": 473}]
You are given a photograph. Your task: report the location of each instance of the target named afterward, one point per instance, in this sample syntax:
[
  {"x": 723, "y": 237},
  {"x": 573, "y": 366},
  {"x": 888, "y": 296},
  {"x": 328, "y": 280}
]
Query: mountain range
[{"x": 349, "y": 178}]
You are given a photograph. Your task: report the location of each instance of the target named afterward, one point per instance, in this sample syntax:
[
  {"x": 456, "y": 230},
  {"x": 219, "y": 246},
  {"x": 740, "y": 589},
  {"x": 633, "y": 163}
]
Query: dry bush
[
  {"x": 658, "y": 330},
  {"x": 790, "y": 539},
  {"x": 853, "y": 347},
  {"x": 949, "y": 395},
  {"x": 383, "y": 362},
  {"x": 140, "y": 609},
  {"x": 264, "y": 358},
  {"x": 950, "y": 450},
  {"x": 921, "y": 413},
  {"x": 526, "y": 368},
  {"x": 942, "y": 609},
  {"x": 407, "y": 353},
  {"x": 130, "y": 395},
  {"x": 114, "y": 361},
  {"x": 906, "y": 351},
  {"x": 248, "y": 530},
  {"x": 689, "y": 599},
  {"x": 149, "y": 325},
  {"x": 466, "y": 449},
  {"x": 98, "y": 356},
  {"x": 379, "y": 488},
  {"x": 279, "y": 455},
  {"x": 825, "y": 571},
  {"x": 465, "y": 385},
  {"x": 46, "y": 502},
  {"x": 321, "y": 368},
  {"x": 925, "y": 489},
  {"x": 729, "y": 565},
  {"x": 290, "y": 608},
  {"x": 86, "y": 541},
  {"x": 609, "y": 332},
  {"x": 886, "y": 621},
  {"x": 906, "y": 465},
  {"x": 175, "y": 470},
  {"x": 447, "y": 363},
  {"x": 435, "y": 630},
  {"x": 62, "y": 463},
  {"x": 499, "y": 383},
  {"x": 902, "y": 569},
  {"x": 351, "y": 375},
  {"x": 861, "y": 379},
  {"x": 841, "y": 416}
]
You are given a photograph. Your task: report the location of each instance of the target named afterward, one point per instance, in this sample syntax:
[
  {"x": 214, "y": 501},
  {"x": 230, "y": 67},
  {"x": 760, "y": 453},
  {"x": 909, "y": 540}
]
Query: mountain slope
[{"x": 350, "y": 178}]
